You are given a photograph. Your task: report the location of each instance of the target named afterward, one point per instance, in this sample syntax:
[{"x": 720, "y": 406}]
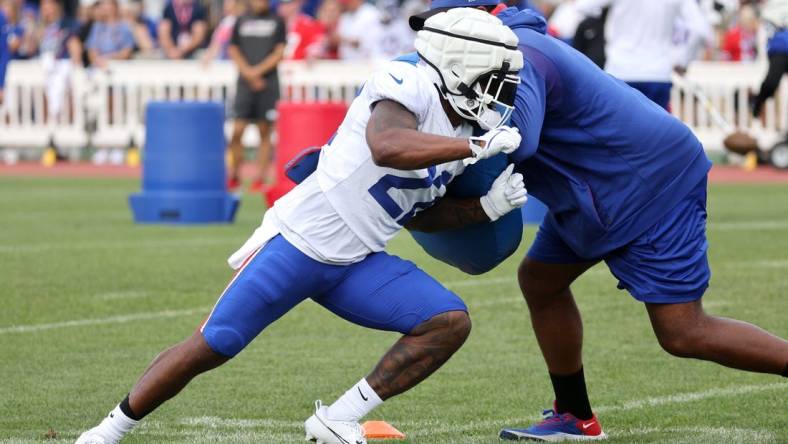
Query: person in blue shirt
[
  {"x": 625, "y": 183},
  {"x": 110, "y": 38}
]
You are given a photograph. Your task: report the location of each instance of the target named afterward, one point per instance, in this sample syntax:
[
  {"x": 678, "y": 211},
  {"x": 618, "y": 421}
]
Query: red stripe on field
[
  {"x": 735, "y": 174},
  {"x": 88, "y": 170}
]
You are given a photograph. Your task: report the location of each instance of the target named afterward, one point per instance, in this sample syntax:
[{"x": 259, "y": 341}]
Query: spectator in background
[
  {"x": 590, "y": 38},
  {"x": 183, "y": 28},
  {"x": 19, "y": 32},
  {"x": 61, "y": 52},
  {"x": 304, "y": 34},
  {"x": 220, "y": 40},
  {"x": 328, "y": 17},
  {"x": 564, "y": 21},
  {"x": 142, "y": 27},
  {"x": 358, "y": 32},
  {"x": 86, "y": 16},
  {"x": 777, "y": 49},
  {"x": 740, "y": 42},
  {"x": 110, "y": 38},
  {"x": 257, "y": 46},
  {"x": 639, "y": 36},
  {"x": 396, "y": 37}
]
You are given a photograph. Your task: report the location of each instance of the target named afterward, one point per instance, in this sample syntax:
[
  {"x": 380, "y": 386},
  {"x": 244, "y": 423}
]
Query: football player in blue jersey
[{"x": 625, "y": 183}]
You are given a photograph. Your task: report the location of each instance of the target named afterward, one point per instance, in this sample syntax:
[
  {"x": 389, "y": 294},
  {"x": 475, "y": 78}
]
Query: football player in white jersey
[{"x": 405, "y": 137}]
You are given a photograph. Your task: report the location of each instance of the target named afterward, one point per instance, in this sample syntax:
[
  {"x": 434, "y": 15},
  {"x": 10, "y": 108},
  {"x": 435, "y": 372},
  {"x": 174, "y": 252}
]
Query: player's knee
[
  {"x": 459, "y": 324},
  {"x": 453, "y": 326},
  {"x": 685, "y": 343},
  {"x": 530, "y": 285},
  {"x": 194, "y": 356},
  {"x": 224, "y": 341}
]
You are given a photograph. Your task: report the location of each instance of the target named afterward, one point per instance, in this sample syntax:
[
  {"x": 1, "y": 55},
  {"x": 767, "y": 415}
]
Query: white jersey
[
  {"x": 351, "y": 207},
  {"x": 639, "y": 35}
]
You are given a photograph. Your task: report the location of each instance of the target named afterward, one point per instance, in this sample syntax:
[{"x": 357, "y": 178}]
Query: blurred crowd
[{"x": 93, "y": 32}]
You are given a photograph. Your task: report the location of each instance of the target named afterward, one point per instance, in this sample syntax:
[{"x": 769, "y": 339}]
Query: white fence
[{"x": 106, "y": 109}]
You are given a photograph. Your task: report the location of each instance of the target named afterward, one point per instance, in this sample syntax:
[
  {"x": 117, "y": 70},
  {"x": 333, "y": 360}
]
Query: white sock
[
  {"x": 355, "y": 403},
  {"x": 116, "y": 425}
]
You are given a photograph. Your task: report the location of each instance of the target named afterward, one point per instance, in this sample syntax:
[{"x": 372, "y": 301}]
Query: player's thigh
[
  {"x": 386, "y": 292},
  {"x": 668, "y": 264},
  {"x": 272, "y": 281},
  {"x": 550, "y": 266}
]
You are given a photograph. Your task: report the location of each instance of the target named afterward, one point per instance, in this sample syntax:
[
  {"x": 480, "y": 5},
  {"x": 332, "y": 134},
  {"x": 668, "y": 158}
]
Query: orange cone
[{"x": 381, "y": 430}]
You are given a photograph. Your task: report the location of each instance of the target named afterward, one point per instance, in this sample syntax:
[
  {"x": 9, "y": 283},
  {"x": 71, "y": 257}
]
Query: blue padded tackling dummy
[
  {"x": 183, "y": 177},
  {"x": 479, "y": 248}
]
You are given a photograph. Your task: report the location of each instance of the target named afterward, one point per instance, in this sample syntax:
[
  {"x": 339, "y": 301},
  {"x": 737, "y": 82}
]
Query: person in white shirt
[
  {"x": 404, "y": 138},
  {"x": 639, "y": 36},
  {"x": 395, "y": 37},
  {"x": 358, "y": 31}
]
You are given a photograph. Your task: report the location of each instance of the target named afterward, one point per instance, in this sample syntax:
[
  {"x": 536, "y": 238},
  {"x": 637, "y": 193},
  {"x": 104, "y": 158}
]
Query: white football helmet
[{"x": 475, "y": 63}]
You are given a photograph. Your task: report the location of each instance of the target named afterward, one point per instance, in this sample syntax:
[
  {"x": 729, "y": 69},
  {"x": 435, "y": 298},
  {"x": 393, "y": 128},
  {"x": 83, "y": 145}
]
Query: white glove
[
  {"x": 506, "y": 194},
  {"x": 502, "y": 139}
]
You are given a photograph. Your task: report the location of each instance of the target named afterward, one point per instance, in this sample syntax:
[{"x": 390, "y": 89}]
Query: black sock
[
  {"x": 571, "y": 395},
  {"x": 126, "y": 409}
]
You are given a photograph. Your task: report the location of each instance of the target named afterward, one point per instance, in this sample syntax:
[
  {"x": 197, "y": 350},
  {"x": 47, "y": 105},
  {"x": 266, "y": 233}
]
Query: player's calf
[
  {"x": 418, "y": 354},
  {"x": 685, "y": 330},
  {"x": 409, "y": 361},
  {"x": 167, "y": 375}
]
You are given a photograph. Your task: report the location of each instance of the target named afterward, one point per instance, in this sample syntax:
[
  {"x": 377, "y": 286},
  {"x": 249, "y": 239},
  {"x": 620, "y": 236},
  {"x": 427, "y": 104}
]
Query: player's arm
[
  {"x": 395, "y": 142},
  {"x": 506, "y": 194}
]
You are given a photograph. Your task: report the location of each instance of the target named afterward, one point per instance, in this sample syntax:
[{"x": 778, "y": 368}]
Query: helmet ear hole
[{"x": 457, "y": 70}]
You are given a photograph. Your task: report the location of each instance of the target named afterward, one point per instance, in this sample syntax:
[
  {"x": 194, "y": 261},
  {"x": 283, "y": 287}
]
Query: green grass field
[{"x": 87, "y": 299}]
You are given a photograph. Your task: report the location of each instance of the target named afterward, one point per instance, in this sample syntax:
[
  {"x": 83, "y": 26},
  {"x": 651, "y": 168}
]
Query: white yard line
[
  {"x": 454, "y": 284},
  {"x": 747, "y": 225},
  {"x": 128, "y": 294},
  {"x": 163, "y": 314},
  {"x": 437, "y": 426}
]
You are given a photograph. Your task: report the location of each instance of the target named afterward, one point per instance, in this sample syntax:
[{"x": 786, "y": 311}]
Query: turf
[{"x": 88, "y": 299}]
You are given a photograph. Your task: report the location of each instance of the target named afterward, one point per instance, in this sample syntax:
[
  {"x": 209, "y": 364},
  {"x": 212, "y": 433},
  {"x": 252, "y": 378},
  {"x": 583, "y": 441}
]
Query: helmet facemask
[{"x": 489, "y": 101}]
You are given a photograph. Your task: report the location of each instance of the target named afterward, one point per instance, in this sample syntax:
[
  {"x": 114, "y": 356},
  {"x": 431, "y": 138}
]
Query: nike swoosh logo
[
  {"x": 585, "y": 426},
  {"x": 399, "y": 81},
  {"x": 362, "y": 394}
]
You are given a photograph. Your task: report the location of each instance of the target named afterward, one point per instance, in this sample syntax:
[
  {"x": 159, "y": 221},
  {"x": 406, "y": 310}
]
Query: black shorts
[{"x": 256, "y": 105}]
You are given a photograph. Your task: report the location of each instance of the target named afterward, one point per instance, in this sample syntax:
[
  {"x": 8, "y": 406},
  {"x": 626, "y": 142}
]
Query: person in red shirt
[
  {"x": 304, "y": 34},
  {"x": 740, "y": 41}
]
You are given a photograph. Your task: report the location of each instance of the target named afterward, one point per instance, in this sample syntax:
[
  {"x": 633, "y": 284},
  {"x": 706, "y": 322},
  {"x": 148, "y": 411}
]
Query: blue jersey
[
  {"x": 778, "y": 43},
  {"x": 606, "y": 160}
]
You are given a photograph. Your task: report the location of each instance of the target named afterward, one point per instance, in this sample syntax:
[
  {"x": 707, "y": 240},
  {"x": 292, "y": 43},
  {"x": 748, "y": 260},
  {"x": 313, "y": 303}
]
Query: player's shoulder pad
[{"x": 403, "y": 83}]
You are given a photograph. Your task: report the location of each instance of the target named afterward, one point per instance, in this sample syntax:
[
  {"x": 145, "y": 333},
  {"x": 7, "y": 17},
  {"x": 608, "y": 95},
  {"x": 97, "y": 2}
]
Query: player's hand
[
  {"x": 502, "y": 139},
  {"x": 506, "y": 194}
]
